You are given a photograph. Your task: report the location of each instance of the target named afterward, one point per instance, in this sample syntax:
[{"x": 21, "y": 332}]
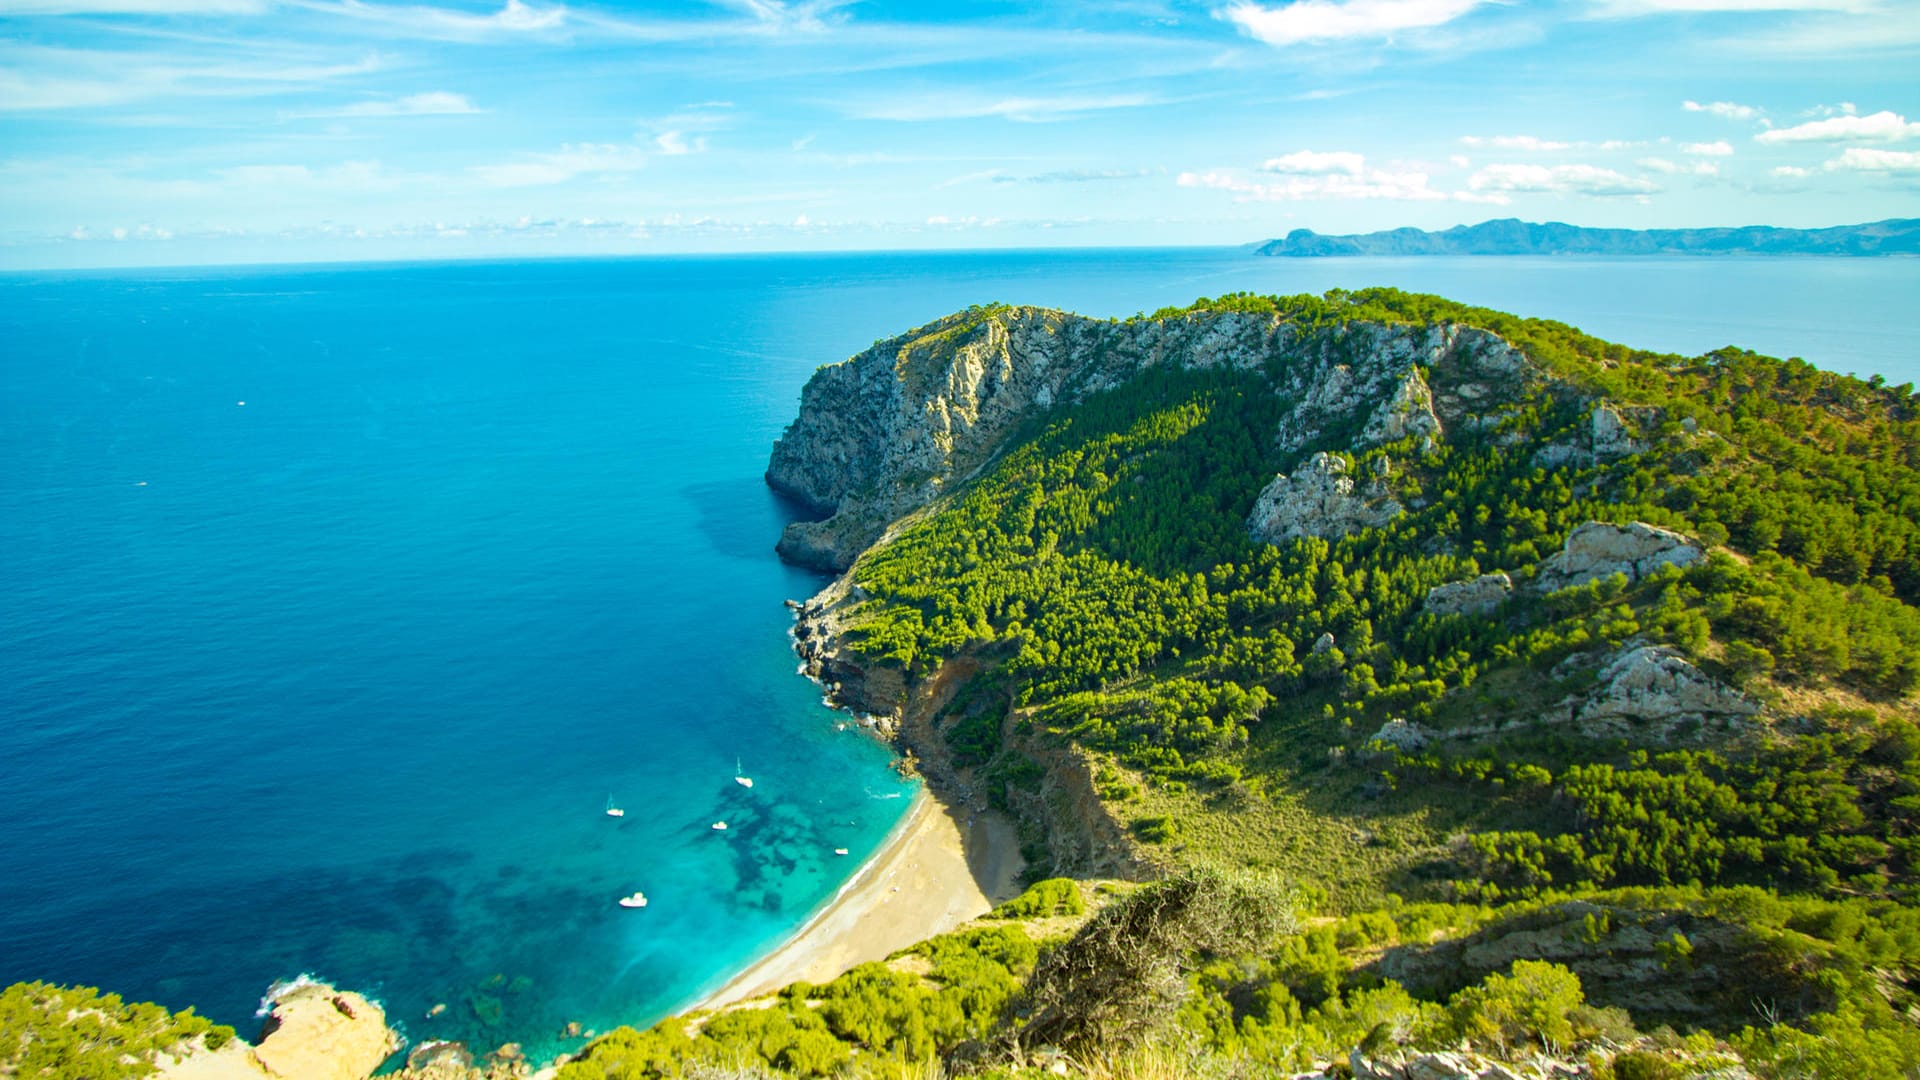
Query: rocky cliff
[{"x": 884, "y": 433}]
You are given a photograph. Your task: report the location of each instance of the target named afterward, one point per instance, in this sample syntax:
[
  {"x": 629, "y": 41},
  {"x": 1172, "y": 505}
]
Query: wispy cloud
[
  {"x": 1334, "y": 20},
  {"x": 515, "y": 19},
  {"x": 1884, "y": 126},
  {"x": 435, "y": 103},
  {"x": 1591, "y": 180},
  {"x": 1071, "y": 176},
  {"x": 1631, "y": 8},
  {"x": 1718, "y": 148},
  {"x": 1729, "y": 110},
  {"x": 558, "y": 167},
  {"x": 1028, "y": 109},
  {"x": 11, "y": 8},
  {"x": 41, "y": 78}
]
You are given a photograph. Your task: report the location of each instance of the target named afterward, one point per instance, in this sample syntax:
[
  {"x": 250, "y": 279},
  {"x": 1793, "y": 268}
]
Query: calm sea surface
[{"x": 340, "y": 680}]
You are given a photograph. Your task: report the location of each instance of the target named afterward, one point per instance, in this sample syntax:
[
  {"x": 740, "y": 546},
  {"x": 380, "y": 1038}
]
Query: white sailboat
[
  {"x": 743, "y": 781},
  {"x": 612, "y": 810},
  {"x": 719, "y": 826},
  {"x": 637, "y": 900}
]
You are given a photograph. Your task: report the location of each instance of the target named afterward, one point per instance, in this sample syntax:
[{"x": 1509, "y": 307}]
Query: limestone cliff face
[
  {"x": 884, "y": 433},
  {"x": 1319, "y": 499}
]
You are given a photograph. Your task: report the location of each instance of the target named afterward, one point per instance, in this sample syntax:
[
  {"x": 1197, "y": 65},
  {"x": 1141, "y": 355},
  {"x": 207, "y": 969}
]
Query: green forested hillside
[{"x": 1480, "y": 837}]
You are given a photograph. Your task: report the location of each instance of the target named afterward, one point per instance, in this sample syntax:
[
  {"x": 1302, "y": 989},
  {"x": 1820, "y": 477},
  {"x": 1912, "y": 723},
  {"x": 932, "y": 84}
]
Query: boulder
[
  {"x": 1319, "y": 499},
  {"x": 1405, "y": 735},
  {"x": 1655, "y": 684},
  {"x": 1598, "y": 549},
  {"x": 1476, "y": 596}
]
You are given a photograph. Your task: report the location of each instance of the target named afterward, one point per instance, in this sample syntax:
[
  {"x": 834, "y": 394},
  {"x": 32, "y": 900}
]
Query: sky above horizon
[{"x": 183, "y": 131}]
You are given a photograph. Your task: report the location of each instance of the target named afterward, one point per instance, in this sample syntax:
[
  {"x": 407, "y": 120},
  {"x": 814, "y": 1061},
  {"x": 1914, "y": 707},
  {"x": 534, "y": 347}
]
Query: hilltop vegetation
[{"x": 52, "y": 1032}]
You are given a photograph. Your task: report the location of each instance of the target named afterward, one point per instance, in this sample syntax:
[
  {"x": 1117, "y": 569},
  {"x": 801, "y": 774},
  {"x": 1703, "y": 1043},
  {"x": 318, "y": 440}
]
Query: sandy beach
[{"x": 940, "y": 867}]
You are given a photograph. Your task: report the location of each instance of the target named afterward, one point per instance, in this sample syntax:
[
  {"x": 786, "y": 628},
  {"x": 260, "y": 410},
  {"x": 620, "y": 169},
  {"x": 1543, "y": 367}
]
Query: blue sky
[{"x": 176, "y": 131}]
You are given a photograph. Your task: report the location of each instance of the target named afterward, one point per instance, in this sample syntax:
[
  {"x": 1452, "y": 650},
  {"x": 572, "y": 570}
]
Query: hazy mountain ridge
[{"x": 1511, "y": 236}]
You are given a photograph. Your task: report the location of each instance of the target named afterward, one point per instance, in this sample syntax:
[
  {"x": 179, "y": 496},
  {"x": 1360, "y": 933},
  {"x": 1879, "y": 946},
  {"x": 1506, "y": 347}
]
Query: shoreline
[{"x": 941, "y": 866}]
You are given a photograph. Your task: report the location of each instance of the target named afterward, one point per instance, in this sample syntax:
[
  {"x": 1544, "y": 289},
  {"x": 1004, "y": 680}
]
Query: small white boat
[
  {"x": 636, "y": 900},
  {"x": 839, "y": 851},
  {"x": 743, "y": 781},
  {"x": 612, "y": 810},
  {"x": 720, "y": 826}
]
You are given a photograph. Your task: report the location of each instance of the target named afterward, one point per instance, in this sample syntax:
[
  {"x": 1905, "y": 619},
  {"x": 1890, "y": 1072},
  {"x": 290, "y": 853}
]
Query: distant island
[{"x": 1511, "y": 236}]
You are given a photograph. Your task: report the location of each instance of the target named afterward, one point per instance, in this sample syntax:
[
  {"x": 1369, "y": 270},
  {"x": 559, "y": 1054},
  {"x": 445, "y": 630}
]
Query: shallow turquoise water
[{"x": 340, "y": 680}]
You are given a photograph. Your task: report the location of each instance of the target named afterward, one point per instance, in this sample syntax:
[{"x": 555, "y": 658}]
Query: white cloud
[
  {"x": 1309, "y": 163},
  {"x": 1721, "y": 148},
  {"x": 1589, "y": 180},
  {"x": 1883, "y": 125},
  {"x": 674, "y": 144},
  {"x": 1791, "y": 171},
  {"x": 1676, "y": 168},
  {"x": 1319, "y": 176},
  {"x": 1515, "y": 142},
  {"x": 434, "y": 103},
  {"x": 1868, "y": 159},
  {"x": 1332, "y": 20},
  {"x": 1459, "y": 161},
  {"x": 1727, "y": 109}
]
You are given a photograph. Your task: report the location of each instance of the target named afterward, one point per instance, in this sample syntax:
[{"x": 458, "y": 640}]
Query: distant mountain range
[{"x": 1510, "y": 236}]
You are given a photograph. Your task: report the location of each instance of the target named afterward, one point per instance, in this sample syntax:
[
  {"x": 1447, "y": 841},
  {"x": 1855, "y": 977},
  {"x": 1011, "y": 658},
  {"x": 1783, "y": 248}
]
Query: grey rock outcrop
[
  {"x": 1655, "y": 685},
  {"x": 1476, "y": 596},
  {"x": 1606, "y": 438},
  {"x": 1408, "y": 412},
  {"x": 1319, "y": 499},
  {"x": 1403, "y": 734},
  {"x": 886, "y": 432},
  {"x": 1597, "y": 549},
  {"x": 1368, "y": 375}
]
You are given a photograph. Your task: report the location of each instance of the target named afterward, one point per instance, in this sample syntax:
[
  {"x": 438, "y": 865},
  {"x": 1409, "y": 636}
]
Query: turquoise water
[{"x": 340, "y": 680}]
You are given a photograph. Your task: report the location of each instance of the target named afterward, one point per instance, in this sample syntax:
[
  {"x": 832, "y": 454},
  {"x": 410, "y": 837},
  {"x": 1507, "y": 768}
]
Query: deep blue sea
[{"x": 336, "y": 602}]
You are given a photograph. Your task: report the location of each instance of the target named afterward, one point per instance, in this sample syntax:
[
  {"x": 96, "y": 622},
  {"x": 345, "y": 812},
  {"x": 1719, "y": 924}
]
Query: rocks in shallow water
[
  {"x": 445, "y": 1055},
  {"x": 1476, "y": 596},
  {"x": 1319, "y": 499},
  {"x": 1597, "y": 550}
]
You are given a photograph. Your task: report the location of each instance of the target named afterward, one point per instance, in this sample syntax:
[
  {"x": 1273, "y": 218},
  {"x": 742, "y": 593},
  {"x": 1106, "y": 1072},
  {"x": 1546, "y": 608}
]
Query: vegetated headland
[
  {"x": 1510, "y": 236},
  {"x": 1379, "y": 686}
]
